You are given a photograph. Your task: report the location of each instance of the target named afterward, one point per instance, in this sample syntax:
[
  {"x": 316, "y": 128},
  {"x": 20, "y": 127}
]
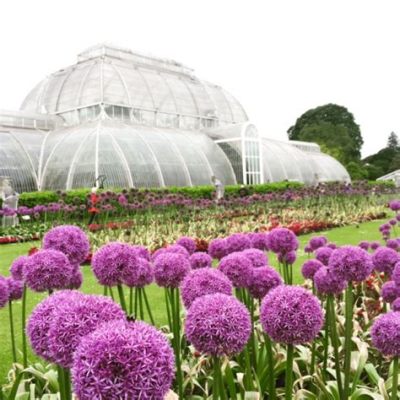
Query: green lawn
[{"x": 346, "y": 235}]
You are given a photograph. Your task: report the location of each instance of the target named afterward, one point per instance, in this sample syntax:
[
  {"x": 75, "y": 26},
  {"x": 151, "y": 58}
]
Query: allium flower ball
[
  {"x": 332, "y": 246},
  {"x": 170, "y": 269},
  {"x": 200, "y": 260},
  {"x": 15, "y": 288},
  {"x": 70, "y": 240},
  {"x": 188, "y": 243},
  {"x": 218, "y": 324},
  {"x": 364, "y": 244},
  {"x": 396, "y": 274},
  {"x": 76, "y": 279},
  {"x": 396, "y": 305},
  {"x": 204, "y": 281},
  {"x": 308, "y": 249},
  {"x": 394, "y": 205},
  {"x": 238, "y": 268},
  {"x": 327, "y": 282},
  {"x": 310, "y": 267},
  {"x": 263, "y": 279},
  {"x": 385, "y": 333},
  {"x": 77, "y": 319},
  {"x": 109, "y": 261},
  {"x": 238, "y": 242},
  {"x": 390, "y": 291},
  {"x": 4, "y": 292},
  {"x": 173, "y": 249},
  {"x": 287, "y": 258},
  {"x": 291, "y": 315},
  {"x": 392, "y": 244},
  {"x": 42, "y": 318},
  {"x": 123, "y": 361},
  {"x": 47, "y": 270},
  {"x": 351, "y": 263},
  {"x": 259, "y": 240},
  {"x": 317, "y": 241},
  {"x": 323, "y": 254},
  {"x": 257, "y": 257},
  {"x": 385, "y": 259},
  {"x": 17, "y": 267},
  {"x": 282, "y": 240},
  {"x": 138, "y": 273},
  {"x": 141, "y": 251},
  {"x": 218, "y": 248},
  {"x": 375, "y": 245}
]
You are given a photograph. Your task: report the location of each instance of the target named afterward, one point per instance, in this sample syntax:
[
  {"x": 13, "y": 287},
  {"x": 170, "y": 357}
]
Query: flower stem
[
  {"x": 141, "y": 313},
  {"x": 23, "y": 325},
  {"x": 131, "y": 301},
  {"x": 348, "y": 339},
  {"x": 289, "y": 373},
  {"x": 167, "y": 304},
  {"x": 148, "y": 306},
  {"x": 326, "y": 339},
  {"x": 122, "y": 297},
  {"x": 216, "y": 378},
  {"x": 13, "y": 347},
  {"x": 395, "y": 380},
  {"x": 61, "y": 384},
  {"x": 271, "y": 365},
  {"x": 67, "y": 384}
]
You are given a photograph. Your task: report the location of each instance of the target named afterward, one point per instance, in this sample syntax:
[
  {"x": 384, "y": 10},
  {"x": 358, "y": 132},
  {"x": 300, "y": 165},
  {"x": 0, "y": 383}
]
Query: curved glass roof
[{"x": 110, "y": 75}]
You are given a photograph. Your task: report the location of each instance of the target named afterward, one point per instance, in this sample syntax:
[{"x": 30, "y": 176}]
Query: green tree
[
  {"x": 395, "y": 164},
  {"x": 357, "y": 171},
  {"x": 393, "y": 141},
  {"x": 319, "y": 124}
]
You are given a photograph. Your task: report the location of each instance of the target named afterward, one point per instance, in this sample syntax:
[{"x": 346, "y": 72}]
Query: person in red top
[{"x": 93, "y": 210}]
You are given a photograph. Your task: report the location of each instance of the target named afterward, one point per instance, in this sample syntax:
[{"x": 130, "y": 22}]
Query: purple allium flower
[
  {"x": 42, "y": 318},
  {"x": 15, "y": 288},
  {"x": 110, "y": 260},
  {"x": 70, "y": 240},
  {"x": 218, "y": 248},
  {"x": 396, "y": 305},
  {"x": 308, "y": 249},
  {"x": 375, "y": 245},
  {"x": 188, "y": 243},
  {"x": 138, "y": 273},
  {"x": 257, "y": 257},
  {"x": 310, "y": 267},
  {"x": 200, "y": 260},
  {"x": 259, "y": 240},
  {"x": 173, "y": 249},
  {"x": 142, "y": 252},
  {"x": 392, "y": 244},
  {"x": 238, "y": 242},
  {"x": 332, "y": 246},
  {"x": 385, "y": 333},
  {"x": 17, "y": 267},
  {"x": 76, "y": 320},
  {"x": 327, "y": 282},
  {"x": 390, "y": 291},
  {"x": 287, "y": 258},
  {"x": 394, "y": 205},
  {"x": 76, "y": 279},
  {"x": 204, "y": 281},
  {"x": 364, "y": 244},
  {"x": 398, "y": 217},
  {"x": 4, "y": 292},
  {"x": 263, "y": 279},
  {"x": 47, "y": 270},
  {"x": 351, "y": 263},
  {"x": 291, "y": 315},
  {"x": 385, "y": 259},
  {"x": 238, "y": 268},
  {"x": 393, "y": 222},
  {"x": 170, "y": 269},
  {"x": 218, "y": 324},
  {"x": 385, "y": 228},
  {"x": 396, "y": 274},
  {"x": 317, "y": 241},
  {"x": 123, "y": 361},
  {"x": 282, "y": 240},
  {"x": 323, "y": 254}
]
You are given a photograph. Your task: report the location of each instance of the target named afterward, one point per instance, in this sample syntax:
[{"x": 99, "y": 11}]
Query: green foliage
[
  {"x": 333, "y": 127},
  {"x": 357, "y": 171},
  {"x": 393, "y": 141}
]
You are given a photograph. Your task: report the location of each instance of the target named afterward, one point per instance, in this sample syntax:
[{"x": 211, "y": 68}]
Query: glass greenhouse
[{"x": 143, "y": 121}]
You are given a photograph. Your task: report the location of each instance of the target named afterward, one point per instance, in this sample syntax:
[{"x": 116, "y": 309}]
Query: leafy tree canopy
[{"x": 393, "y": 141}]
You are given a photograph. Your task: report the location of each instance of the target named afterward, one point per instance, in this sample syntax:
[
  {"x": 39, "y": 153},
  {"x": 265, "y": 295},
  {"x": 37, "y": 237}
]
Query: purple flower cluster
[
  {"x": 204, "y": 281},
  {"x": 351, "y": 263},
  {"x": 17, "y": 267},
  {"x": 173, "y": 249},
  {"x": 291, "y": 315},
  {"x": 259, "y": 240},
  {"x": 257, "y": 257},
  {"x": 4, "y": 292},
  {"x": 364, "y": 245},
  {"x": 287, "y": 258},
  {"x": 218, "y": 324},
  {"x": 238, "y": 268},
  {"x": 138, "y": 272},
  {"x": 238, "y": 242},
  {"x": 47, "y": 270},
  {"x": 385, "y": 259},
  {"x": 394, "y": 205},
  {"x": 385, "y": 333},
  {"x": 282, "y": 240},
  {"x": 15, "y": 288},
  {"x": 390, "y": 292},
  {"x": 393, "y": 244},
  {"x": 327, "y": 282},
  {"x": 263, "y": 279},
  {"x": 200, "y": 260},
  {"x": 218, "y": 248},
  {"x": 188, "y": 243},
  {"x": 310, "y": 267},
  {"x": 123, "y": 361},
  {"x": 70, "y": 240},
  {"x": 170, "y": 269},
  {"x": 141, "y": 252},
  {"x": 323, "y": 254},
  {"x": 317, "y": 241}
]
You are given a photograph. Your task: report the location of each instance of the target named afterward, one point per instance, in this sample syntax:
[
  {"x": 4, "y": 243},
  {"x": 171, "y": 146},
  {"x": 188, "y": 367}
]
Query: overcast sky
[{"x": 278, "y": 58}]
